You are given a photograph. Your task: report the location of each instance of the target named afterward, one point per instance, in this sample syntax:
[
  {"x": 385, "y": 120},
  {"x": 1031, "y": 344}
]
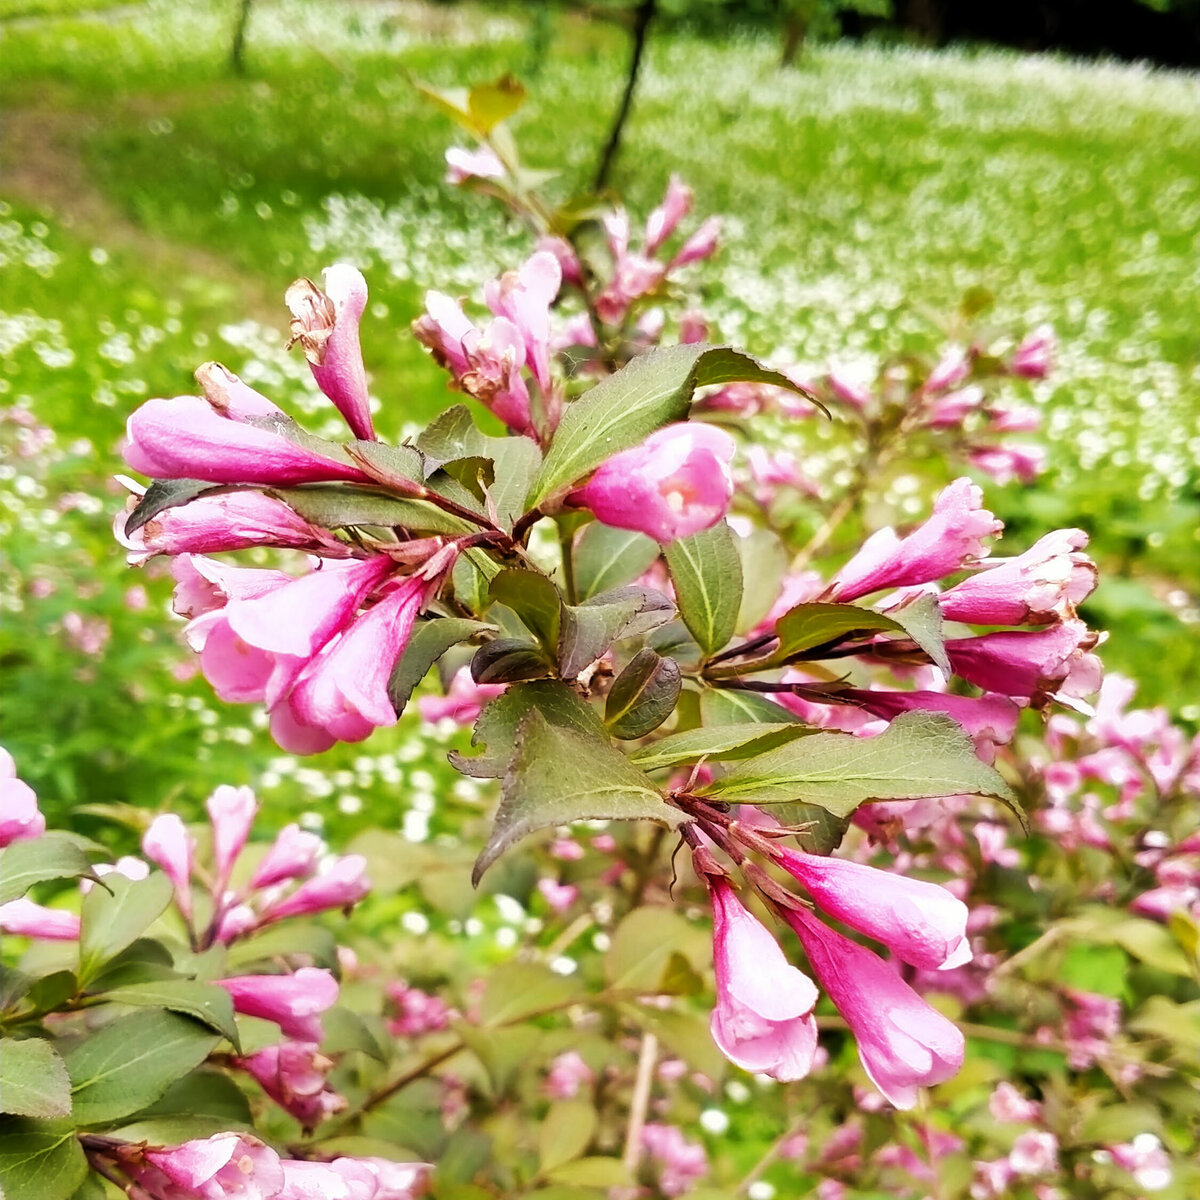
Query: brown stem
[
  {"x": 237, "y": 61},
  {"x": 641, "y": 24},
  {"x": 641, "y": 1101}
]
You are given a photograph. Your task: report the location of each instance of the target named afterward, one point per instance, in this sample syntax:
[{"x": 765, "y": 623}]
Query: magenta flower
[
  {"x": 186, "y": 438},
  {"x": 661, "y": 223},
  {"x": 903, "y": 1043},
  {"x": 568, "y": 1073},
  {"x": 989, "y": 719},
  {"x": 676, "y": 483},
  {"x": 342, "y": 885},
  {"x": 293, "y": 855},
  {"x": 325, "y": 323},
  {"x": 1034, "y": 357},
  {"x": 763, "y": 1019},
  {"x": 1006, "y": 463},
  {"x": 524, "y": 298},
  {"x": 951, "y": 539},
  {"x": 293, "y": 1075},
  {"x": 224, "y": 1165},
  {"x": 20, "y": 817},
  {"x": 702, "y": 244},
  {"x": 1043, "y": 584},
  {"x": 1030, "y": 663},
  {"x": 168, "y": 845},
  {"x": 24, "y": 918},
  {"x": 951, "y": 369},
  {"x": 294, "y": 1002},
  {"x": 417, "y": 1012},
  {"x": 231, "y": 811},
  {"x": 560, "y": 896},
  {"x": 849, "y": 388},
  {"x": 920, "y": 923},
  {"x": 463, "y": 701}
]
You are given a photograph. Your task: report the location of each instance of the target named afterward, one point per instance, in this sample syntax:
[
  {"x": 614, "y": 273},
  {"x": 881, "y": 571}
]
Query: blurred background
[{"x": 166, "y": 170}]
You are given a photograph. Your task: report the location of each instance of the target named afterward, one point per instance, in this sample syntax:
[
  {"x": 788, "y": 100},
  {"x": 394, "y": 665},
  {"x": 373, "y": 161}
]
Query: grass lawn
[{"x": 155, "y": 208}]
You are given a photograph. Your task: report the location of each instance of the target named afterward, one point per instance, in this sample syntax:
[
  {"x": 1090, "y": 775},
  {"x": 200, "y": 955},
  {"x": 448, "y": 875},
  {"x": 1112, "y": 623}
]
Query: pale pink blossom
[
  {"x": 1034, "y": 357},
  {"x": 417, "y": 1012},
  {"x": 763, "y": 1018},
  {"x": 559, "y": 896},
  {"x": 292, "y": 855},
  {"x": 949, "y": 540},
  {"x": 903, "y": 1043},
  {"x": 236, "y": 920},
  {"x": 524, "y": 298},
  {"x": 24, "y": 918},
  {"x": 1090, "y": 1022},
  {"x": 921, "y": 923},
  {"x": 680, "y": 1163},
  {"x": 675, "y": 483},
  {"x": 463, "y": 164},
  {"x": 168, "y": 844},
  {"x": 1014, "y": 418},
  {"x": 1146, "y": 1160},
  {"x": 294, "y": 1002},
  {"x": 568, "y": 1073},
  {"x": 1009, "y": 1107},
  {"x": 463, "y": 701},
  {"x": 702, "y": 244},
  {"x": 1035, "y": 1152},
  {"x": 294, "y": 1074},
  {"x": 224, "y": 1165},
  {"x": 662, "y": 221},
  {"x": 20, "y": 818},
  {"x": 231, "y": 811},
  {"x": 341, "y": 885},
  {"x": 949, "y": 411},
  {"x": 951, "y": 369},
  {"x": 127, "y": 865},
  {"x": 393, "y": 1180},
  {"x": 1023, "y": 463}
]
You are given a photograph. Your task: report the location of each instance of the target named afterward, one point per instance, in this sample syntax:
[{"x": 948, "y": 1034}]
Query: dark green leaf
[
  {"x": 476, "y": 474},
  {"x": 51, "y": 990},
  {"x": 33, "y": 1079},
  {"x": 110, "y": 920},
  {"x": 398, "y": 468},
  {"x": 509, "y": 660},
  {"x": 557, "y": 776},
  {"x": 564, "y": 1133},
  {"x": 286, "y": 940},
  {"x": 819, "y": 831},
  {"x": 144, "y": 960},
  {"x": 130, "y": 1062},
  {"x": 764, "y": 564},
  {"x": 534, "y": 599},
  {"x": 334, "y": 506},
  {"x": 163, "y": 494},
  {"x": 207, "y": 1002},
  {"x": 587, "y": 630},
  {"x": 919, "y": 754},
  {"x": 430, "y": 640},
  {"x": 607, "y": 558},
  {"x": 643, "y": 696},
  {"x": 813, "y": 626},
  {"x": 200, "y": 1104},
  {"x": 496, "y": 728},
  {"x": 14, "y": 986},
  {"x": 714, "y": 743},
  {"x": 921, "y": 619},
  {"x": 36, "y": 860},
  {"x": 725, "y": 706},
  {"x": 707, "y": 573},
  {"x": 40, "y": 1160},
  {"x": 622, "y": 410}
]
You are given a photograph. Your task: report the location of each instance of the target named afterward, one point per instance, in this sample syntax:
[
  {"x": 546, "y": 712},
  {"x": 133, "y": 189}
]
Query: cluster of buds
[{"x": 237, "y": 1166}]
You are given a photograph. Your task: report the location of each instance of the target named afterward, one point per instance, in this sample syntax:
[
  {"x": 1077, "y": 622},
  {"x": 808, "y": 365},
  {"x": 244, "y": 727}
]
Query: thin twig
[
  {"x": 641, "y": 24},
  {"x": 641, "y": 1101}
]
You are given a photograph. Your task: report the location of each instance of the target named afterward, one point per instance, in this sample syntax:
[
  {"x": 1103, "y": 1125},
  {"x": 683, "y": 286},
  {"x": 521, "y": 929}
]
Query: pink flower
[
  {"x": 342, "y": 885},
  {"x": 568, "y": 1073},
  {"x": 1006, "y": 463},
  {"x": 988, "y": 718},
  {"x": 225, "y": 1165},
  {"x": 662, "y": 221},
  {"x": 921, "y": 923},
  {"x": 1020, "y": 663},
  {"x": 1009, "y": 1107},
  {"x": 560, "y": 896},
  {"x": 702, "y": 244},
  {"x": 231, "y": 811},
  {"x": 463, "y": 164},
  {"x": 772, "y": 471},
  {"x": 949, "y": 411},
  {"x": 167, "y": 844},
  {"x": 1090, "y": 1023},
  {"x": 903, "y": 1043},
  {"x": 20, "y": 818},
  {"x": 681, "y": 1163},
  {"x": 524, "y": 298},
  {"x": 24, "y": 918},
  {"x": 676, "y": 483},
  {"x": 950, "y": 539},
  {"x": 236, "y": 921},
  {"x": 393, "y": 1180},
  {"x": 186, "y": 438},
  {"x": 1034, "y": 357},
  {"x": 325, "y": 323},
  {"x": 1043, "y": 584},
  {"x": 418, "y": 1012},
  {"x": 763, "y": 1018},
  {"x": 1015, "y": 418},
  {"x": 294, "y": 1002},
  {"x": 952, "y": 368},
  {"x": 463, "y": 701},
  {"x": 1146, "y": 1160},
  {"x": 293, "y": 854},
  {"x": 1034, "y": 1153},
  {"x": 849, "y": 388},
  {"x": 293, "y": 1075}
]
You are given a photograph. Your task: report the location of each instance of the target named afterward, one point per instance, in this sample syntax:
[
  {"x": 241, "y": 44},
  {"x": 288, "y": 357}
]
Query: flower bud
[
  {"x": 294, "y": 1002},
  {"x": 342, "y": 885},
  {"x": 20, "y": 817},
  {"x": 24, "y": 918},
  {"x": 168, "y": 845}
]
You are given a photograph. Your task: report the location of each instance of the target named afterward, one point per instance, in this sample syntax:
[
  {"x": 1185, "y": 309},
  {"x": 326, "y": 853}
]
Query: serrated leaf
[
  {"x": 396, "y": 467},
  {"x": 40, "y": 1160},
  {"x": 764, "y": 564},
  {"x": 509, "y": 660},
  {"x": 429, "y": 641},
  {"x": 534, "y": 598},
  {"x": 37, "y": 860},
  {"x": 33, "y": 1079},
  {"x": 819, "y": 831},
  {"x": 496, "y": 729},
  {"x": 706, "y": 570},
  {"x": 919, "y": 754},
  {"x": 714, "y": 743},
  {"x": 337, "y": 506},
  {"x": 209, "y": 1004},
  {"x": 643, "y": 696},
  {"x": 623, "y": 409},
  {"x": 111, "y": 919},
  {"x": 163, "y": 494},
  {"x": 726, "y": 706},
  {"x": 607, "y": 558},
  {"x": 516, "y": 990},
  {"x": 921, "y": 619},
  {"x": 564, "y": 1133},
  {"x": 130, "y": 1062},
  {"x": 587, "y": 630},
  {"x": 557, "y": 776}
]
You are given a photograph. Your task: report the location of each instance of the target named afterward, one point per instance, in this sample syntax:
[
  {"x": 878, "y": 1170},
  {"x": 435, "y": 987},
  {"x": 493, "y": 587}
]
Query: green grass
[{"x": 863, "y": 192}]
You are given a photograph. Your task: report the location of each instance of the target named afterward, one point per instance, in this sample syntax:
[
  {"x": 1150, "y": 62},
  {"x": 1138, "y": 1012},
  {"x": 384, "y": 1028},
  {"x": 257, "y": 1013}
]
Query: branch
[{"x": 641, "y": 23}]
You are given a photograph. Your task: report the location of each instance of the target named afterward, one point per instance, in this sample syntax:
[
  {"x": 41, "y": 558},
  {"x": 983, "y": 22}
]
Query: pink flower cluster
[
  {"x": 416, "y": 1012},
  {"x": 678, "y": 1163}
]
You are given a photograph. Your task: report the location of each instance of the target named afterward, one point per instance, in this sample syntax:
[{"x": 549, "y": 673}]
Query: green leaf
[
  {"x": 346, "y": 1030},
  {"x": 1178, "y": 1024},
  {"x": 1120, "y": 1123},
  {"x": 517, "y": 990},
  {"x": 504, "y": 1053},
  {"x": 818, "y": 830},
  {"x": 623, "y": 409},
  {"x": 564, "y": 1133},
  {"x": 587, "y": 630},
  {"x": 643, "y": 696},
  {"x": 33, "y": 1079},
  {"x": 557, "y": 776},
  {"x": 714, "y": 743},
  {"x": 643, "y": 943},
  {"x": 814, "y": 626},
  {"x": 49, "y": 992},
  {"x": 491, "y": 103},
  {"x": 335, "y": 506},
  {"x": 683, "y": 1032},
  {"x": 202, "y": 1103},
  {"x": 594, "y": 1172},
  {"x": 286, "y": 940},
  {"x": 919, "y": 754},
  {"x": 40, "y": 1160},
  {"x": 725, "y": 706},
  {"x": 607, "y": 558},
  {"x": 510, "y": 660},
  {"x": 144, "y": 960},
  {"x": 453, "y": 434},
  {"x": 163, "y": 494},
  {"x": 130, "y": 1062},
  {"x": 111, "y": 920},
  {"x": 534, "y": 598},
  {"x": 208, "y": 1003},
  {"x": 496, "y": 728},
  {"x": 36, "y": 860},
  {"x": 764, "y": 564},
  {"x": 430, "y": 640},
  {"x": 707, "y": 573},
  {"x": 921, "y": 619},
  {"x": 14, "y": 986}
]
